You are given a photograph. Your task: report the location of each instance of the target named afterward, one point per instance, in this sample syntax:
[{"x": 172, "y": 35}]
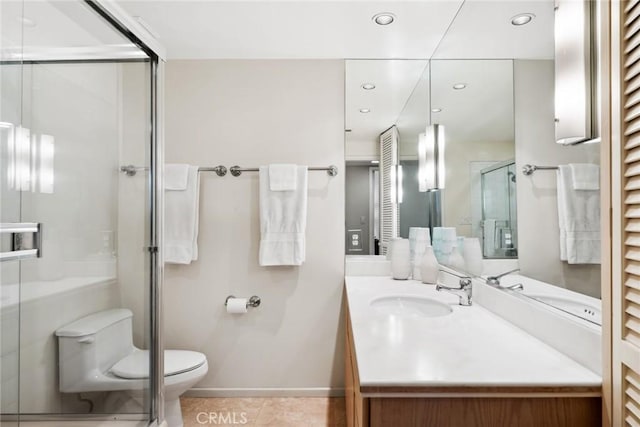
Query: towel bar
[
  {"x": 530, "y": 169},
  {"x": 331, "y": 170},
  {"x": 131, "y": 170}
]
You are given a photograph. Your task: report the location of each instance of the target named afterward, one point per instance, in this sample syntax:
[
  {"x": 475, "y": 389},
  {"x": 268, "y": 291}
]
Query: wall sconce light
[
  {"x": 431, "y": 171},
  {"x": 22, "y": 155},
  {"x": 422, "y": 162},
  {"x": 396, "y": 193},
  {"x": 576, "y": 75},
  {"x": 46, "y": 170}
]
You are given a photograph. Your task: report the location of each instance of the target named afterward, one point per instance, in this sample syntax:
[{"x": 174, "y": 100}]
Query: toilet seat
[{"x": 136, "y": 365}]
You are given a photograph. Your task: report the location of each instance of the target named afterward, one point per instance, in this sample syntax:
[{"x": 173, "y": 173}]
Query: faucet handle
[
  {"x": 495, "y": 280},
  {"x": 465, "y": 282},
  {"x": 464, "y": 292}
]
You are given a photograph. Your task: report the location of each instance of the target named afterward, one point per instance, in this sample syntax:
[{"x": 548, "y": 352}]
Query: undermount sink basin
[{"x": 404, "y": 305}]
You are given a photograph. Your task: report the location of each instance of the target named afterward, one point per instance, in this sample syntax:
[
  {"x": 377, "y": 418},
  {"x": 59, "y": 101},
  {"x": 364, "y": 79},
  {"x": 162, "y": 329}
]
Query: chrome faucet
[
  {"x": 464, "y": 292},
  {"x": 495, "y": 281}
]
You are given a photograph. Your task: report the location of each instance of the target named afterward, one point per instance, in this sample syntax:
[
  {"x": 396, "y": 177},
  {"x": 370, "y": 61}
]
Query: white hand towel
[
  {"x": 283, "y": 177},
  {"x": 181, "y": 221},
  {"x": 283, "y": 221},
  {"x": 579, "y": 214},
  {"x": 585, "y": 176},
  {"x": 176, "y": 176},
  {"x": 563, "y": 178}
]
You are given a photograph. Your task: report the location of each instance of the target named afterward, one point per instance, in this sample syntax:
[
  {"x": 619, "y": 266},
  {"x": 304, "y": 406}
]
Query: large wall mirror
[{"x": 490, "y": 85}]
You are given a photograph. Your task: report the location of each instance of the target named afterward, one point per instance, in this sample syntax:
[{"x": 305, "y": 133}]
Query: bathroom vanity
[{"x": 415, "y": 357}]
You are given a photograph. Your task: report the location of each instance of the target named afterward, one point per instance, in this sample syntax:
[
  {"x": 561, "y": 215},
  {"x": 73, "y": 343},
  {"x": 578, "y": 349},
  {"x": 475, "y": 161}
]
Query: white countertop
[{"x": 469, "y": 347}]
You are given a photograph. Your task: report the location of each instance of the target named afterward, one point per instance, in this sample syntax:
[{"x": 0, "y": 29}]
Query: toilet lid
[{"x": 136, "y": 365}]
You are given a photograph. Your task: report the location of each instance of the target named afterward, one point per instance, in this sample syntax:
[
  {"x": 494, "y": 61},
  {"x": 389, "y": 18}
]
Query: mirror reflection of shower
[{"x": 499, "y": 220}]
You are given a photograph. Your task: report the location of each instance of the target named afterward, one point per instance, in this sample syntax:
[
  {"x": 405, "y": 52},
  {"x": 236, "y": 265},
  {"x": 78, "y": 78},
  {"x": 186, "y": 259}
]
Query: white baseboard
[{"x": 265, "y": 392}]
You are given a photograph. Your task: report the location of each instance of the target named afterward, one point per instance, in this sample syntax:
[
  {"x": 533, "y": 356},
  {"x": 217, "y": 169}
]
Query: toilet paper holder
[{"x": 254, "y": 301}]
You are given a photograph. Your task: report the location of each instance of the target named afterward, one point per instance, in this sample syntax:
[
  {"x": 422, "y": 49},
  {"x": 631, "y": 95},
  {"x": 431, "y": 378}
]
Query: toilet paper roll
[{"x": 237, "y": 305}]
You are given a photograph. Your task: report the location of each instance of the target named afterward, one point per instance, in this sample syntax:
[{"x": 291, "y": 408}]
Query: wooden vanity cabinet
[
  {"x": 465, "y": 406},
  {"x": 357, "y": 408}
]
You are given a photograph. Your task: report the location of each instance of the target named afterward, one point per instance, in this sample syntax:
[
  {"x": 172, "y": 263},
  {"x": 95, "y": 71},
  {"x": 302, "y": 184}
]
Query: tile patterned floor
[{"x": 264, "y": 412}]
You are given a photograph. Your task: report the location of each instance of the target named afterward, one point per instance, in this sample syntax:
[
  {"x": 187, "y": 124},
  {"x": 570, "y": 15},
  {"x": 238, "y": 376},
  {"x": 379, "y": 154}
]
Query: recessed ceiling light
[
  {"x": 459, "y": 86},
  {"x": 375, "y": 162},
  {"x": 522, "y": 19},
  {"x": 383, "y": 18},
  {"x": 365, "y": 110},
  {"x": 368, "y": 86},
  {"x": 436, "y": 110}
]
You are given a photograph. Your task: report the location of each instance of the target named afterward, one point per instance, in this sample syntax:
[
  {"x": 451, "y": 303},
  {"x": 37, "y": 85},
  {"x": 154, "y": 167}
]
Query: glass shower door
[
  {"x": 499, "y": 223},
  {"x": 10, "y": 115},
  {"x": 76, "y": 106}
]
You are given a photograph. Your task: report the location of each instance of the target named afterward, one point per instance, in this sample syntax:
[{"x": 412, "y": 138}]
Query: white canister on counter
[
  {"x": 400, "y": 259},
  {"x": 429, "y": 267}
]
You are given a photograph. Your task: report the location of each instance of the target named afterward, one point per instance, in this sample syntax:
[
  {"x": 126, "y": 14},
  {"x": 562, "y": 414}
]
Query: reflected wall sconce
[
  {"x": 396, "y": 193},
  {"x": 431, "y": 169},
  {"x": 30, "y": 156}
]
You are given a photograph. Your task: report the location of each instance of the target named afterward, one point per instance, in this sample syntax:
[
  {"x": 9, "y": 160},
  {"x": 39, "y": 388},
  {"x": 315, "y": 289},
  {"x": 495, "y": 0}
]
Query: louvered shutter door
[
  {"x": 389, "y": 217},
  {"x": 630, "y": 292}
]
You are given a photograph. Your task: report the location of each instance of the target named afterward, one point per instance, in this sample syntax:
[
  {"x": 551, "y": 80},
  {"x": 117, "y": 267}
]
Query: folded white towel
[
  {"x": 585, "y": 176},
  {"x": 579, "y": 220},
  {"x": 283, "y": 177},
  {"x": 489, "y": 236},
  {"x": 181, "y": 221},
  {"x": 283, "y": 221},
  {"x": 176, "y": 176}
]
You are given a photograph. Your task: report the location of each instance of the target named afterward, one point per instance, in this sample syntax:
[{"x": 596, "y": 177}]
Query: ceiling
[
  {"x": 483, "y": 29},
  {"x": 483, "y": 111},
  {"x": 295, "y": 29},
  {"x": 314, "y": 29},
  {"x": 59, "y": 30},
  {"x": 395, "y": 80}
]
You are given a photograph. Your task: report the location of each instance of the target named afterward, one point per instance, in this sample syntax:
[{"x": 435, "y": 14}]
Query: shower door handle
[{"x": 25, "y": 240}]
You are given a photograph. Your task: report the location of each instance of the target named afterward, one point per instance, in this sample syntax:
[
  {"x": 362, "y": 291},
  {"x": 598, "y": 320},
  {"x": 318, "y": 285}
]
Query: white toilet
[{"x": 97, "y": 354}]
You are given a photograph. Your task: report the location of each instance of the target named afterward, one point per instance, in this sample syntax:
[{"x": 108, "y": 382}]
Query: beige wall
[
  {"x": 251, "y": 113},
  {"x": 362, "y": 150},
  {"x": 539, "y": 247}
]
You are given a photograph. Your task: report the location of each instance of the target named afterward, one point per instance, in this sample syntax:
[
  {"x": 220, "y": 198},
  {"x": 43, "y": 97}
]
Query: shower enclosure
[
  {"x": 79, "y": 98},
  {"x": 499, "y": 217}
]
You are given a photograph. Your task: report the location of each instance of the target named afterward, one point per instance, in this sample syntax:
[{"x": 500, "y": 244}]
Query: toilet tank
[{"x": 91, "y": 345}]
